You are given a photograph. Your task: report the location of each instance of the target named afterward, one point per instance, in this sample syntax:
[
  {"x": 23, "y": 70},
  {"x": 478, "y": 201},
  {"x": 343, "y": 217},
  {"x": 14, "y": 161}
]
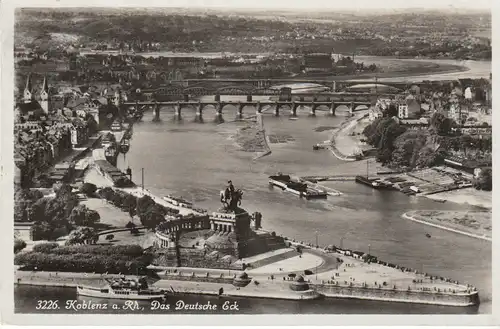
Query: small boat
[
  {"x": 125, "y": 146},
  {"x": 130, "y": 289},
  {"x": 428, "y": 235},
  {"x": 116, "y": 126},
  {"x": 176, "y": 201},
  {"x": 293, "y": 118}
]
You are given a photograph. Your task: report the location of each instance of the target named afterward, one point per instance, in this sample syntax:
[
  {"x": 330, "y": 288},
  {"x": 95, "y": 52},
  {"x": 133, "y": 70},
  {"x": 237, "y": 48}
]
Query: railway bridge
[{"x": 199, "y": 106}]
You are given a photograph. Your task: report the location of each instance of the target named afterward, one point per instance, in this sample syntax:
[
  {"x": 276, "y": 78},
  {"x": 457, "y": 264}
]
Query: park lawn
[
  {"x": 144, "y": 238},
  {"x": 111, "y": 216}
]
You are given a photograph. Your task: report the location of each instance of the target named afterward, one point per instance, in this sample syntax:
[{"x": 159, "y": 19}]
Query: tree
[
  {"x": 41, "y": 231},
  {"x": 81, "y": 215},
  {"x": 83, "y": 235},
  {"x": 484, "y": 181},
  {"x": 391, "y": 111},
  {"x": 440, "y": 124},
  {"x": 88, "y": 189},
  {"x": 19, "y": 245},
  {"x": 152, "y": 218},
  {"x": 129, "y": 203}
]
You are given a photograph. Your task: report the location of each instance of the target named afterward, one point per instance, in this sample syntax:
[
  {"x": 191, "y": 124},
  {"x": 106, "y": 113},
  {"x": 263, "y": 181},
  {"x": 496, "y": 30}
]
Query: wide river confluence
[{"x": 195, "y": 161}]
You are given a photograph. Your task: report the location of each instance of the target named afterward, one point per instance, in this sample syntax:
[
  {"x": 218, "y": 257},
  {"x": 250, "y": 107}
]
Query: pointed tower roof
[
  {"x": 28, "y": 87},
  {"x": 45, "y": 86}
]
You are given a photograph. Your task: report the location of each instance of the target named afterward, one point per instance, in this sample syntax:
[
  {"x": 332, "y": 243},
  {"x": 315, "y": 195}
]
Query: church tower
[
  {"x": 44, "y": 96},
  {"x": 28, "y": 91}
]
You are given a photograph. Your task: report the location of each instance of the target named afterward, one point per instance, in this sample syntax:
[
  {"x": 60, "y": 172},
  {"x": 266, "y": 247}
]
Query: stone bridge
[{"x": 199, "y": 106}]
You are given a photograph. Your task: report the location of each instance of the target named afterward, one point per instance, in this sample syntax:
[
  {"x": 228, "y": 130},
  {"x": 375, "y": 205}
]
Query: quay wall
[{"x": 404, "y": 296}]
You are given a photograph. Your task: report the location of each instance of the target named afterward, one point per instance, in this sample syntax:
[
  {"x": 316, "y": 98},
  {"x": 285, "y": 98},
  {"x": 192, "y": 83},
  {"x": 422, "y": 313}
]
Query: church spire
[
  {"x": 28, "y": 91},
  {"x": 29, "y": 87},
  {"x": 45, "y": 86}
]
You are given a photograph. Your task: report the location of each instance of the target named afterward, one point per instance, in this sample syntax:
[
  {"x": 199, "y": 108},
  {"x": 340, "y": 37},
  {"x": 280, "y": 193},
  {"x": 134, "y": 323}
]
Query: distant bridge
[
  {"x": 258, "y": 105},
  {"x": 264, "y": 87}
]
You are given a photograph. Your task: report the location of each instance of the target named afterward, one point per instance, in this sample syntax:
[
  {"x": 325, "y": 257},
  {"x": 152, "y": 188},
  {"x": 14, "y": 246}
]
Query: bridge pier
[
  {"x": 313, "y": 109},
  {"x": 259, "y": 108},
  {"x": 199, "y": 113},
  {"x": 351, "y": 108},
  {"x": 293, "y": 109},
  {"x": 332, "y": 109},
  {"x": 249, "y": 98},
  {"x": 240, "y": 110},
  {"x": 334, "y": 86},
  {"x": 218, "y": 115},
  {"x": 277, "y": 110},
  {"x": 178, "y": 112},
  {"x": 156, "y": 110}
]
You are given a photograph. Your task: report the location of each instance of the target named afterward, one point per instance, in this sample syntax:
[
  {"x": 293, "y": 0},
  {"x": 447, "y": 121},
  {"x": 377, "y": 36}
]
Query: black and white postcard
[{"x": 188, "y": 162}]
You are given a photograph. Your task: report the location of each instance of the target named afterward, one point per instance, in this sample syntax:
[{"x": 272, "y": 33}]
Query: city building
[
  {"x": 409, "y": 109},
  {"x": 318, "y": 62}
]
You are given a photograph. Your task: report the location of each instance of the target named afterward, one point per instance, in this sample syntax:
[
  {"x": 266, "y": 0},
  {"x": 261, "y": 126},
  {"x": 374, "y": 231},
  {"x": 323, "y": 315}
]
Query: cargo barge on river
[{"x": 286, "y": 183}]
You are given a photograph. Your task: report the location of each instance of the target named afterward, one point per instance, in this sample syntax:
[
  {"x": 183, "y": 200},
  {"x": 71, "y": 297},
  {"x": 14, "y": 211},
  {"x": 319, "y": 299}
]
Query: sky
[
  {"x": 344, "y": 5},
  {"x": 334, "y": 4}
]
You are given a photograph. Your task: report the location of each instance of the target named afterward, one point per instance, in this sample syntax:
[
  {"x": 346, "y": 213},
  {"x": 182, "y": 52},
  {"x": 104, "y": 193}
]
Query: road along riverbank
[{"x": 447, "y": 220}]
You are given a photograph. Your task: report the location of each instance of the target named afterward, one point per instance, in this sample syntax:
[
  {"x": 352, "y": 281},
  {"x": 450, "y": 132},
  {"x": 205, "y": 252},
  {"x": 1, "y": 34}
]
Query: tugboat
[{"x": 130, "y": 289}]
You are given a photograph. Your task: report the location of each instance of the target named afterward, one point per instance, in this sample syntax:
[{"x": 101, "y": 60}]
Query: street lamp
[{"x": 369, "y": 247}]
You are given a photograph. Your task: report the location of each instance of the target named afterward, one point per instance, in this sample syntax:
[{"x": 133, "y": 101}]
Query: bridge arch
[
  {"x": 197, "y": 91},
  {"x": 360, "y": 107},
  {"x": 235, "y": 90}
]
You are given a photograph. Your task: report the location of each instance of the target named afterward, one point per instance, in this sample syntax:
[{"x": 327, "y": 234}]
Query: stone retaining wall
[{"x": 398, "y": 295}]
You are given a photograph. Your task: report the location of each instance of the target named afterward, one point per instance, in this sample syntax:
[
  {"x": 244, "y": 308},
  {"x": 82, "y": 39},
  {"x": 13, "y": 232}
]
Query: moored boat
[
  {"x": 301, "y": 189},
  {"x": 179, "y": 202},
  {"x": 130, "y": 289},
  {"x": 124, "y": 146}
]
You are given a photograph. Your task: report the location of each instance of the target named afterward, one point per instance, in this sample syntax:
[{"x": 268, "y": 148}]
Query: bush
[
  {"x": 45, "y": 247},
  {"x": 19, "y": 245},
  {"x": 81, "y": 262},
  {"x": 110, "y": 237},
  {"x": 484, "y": 181},
  {"x": 88, "y": 189}
]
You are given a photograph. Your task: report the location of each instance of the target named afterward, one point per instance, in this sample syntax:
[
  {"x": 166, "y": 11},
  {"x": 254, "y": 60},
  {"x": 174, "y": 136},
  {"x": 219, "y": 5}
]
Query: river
[{"x": 195, "y": 161}]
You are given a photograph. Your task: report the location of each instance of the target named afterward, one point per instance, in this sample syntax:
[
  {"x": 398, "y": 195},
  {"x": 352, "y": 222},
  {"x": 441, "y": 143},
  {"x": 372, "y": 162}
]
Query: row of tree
[
  {"x": 107, "y": 250},
  {"x": 108, "y": 261},
  {"x": 403, "y": 148},
  {"x": 150, "y": 213}
]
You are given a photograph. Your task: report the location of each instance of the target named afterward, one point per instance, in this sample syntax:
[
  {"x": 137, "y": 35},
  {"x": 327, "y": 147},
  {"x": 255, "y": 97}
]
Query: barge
[
  {"x": 131, "y": 289},
  {"x": 373, "y": 183},
  {"x": 286, "y": 183}
]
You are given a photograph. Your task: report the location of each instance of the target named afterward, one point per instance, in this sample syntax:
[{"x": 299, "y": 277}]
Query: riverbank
[
  {"x": 474, "y": 224},
  {"x": 468, "y": 195},
  {"x": 344, "y": 146}
]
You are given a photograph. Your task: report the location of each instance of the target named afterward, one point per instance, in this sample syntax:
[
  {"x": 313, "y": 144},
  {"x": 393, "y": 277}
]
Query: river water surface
[{"x": 195, "y": 161}]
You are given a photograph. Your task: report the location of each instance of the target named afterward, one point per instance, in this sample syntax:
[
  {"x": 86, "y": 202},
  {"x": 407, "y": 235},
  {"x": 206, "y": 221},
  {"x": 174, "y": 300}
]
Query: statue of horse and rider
[{"x": 230, "y": 197}]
